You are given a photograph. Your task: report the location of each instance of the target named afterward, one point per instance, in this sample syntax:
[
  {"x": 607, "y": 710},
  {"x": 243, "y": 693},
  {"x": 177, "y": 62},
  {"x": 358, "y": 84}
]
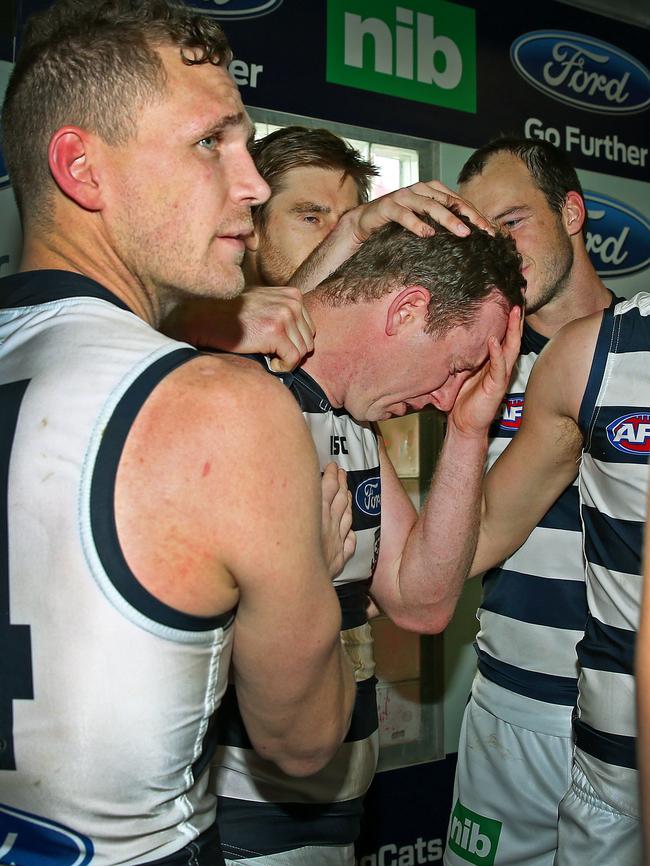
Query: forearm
[
  {"x": 438, "y": 552},
  {"x": 337, "y": 247}
]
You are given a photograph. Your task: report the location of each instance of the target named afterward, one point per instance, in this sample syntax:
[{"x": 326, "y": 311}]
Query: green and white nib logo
[
  {"x": 423, "y": 50},
  {"x": 473, "y": 837}
]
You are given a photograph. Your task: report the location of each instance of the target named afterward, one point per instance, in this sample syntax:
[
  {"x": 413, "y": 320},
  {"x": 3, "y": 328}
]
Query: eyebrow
[
  {"x": 310, "y": 207},
  {"x": 509, "y": 211},
  {"x": 239, "y": 119}
]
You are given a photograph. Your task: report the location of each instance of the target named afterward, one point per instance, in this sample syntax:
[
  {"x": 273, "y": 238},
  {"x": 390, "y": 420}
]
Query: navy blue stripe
[
  {"x": 205, "y": 850},
  {"x": 565, "y": 512},
  {"x": 250, "y": 828},
  {"x": 540, "y": 600},
  {"x": 365, "y": 487},
  {"x": 614, "y": 544},
  {"x": 102, "y": 513},
  {"x": 621, "y": 434},
  {"x": 531, "y": 684},
  {"x": 30, "y": 288},
  {"x": 354, "y": 599},
  {"x": 607, "y": 648},
  {"x": 531, "y": 341},
  {"x": 611, "y": 748},
  {"x": 603, "y": 343},
  {"x": 633, "y": 332},
  {"x": 231, "y": 730}
]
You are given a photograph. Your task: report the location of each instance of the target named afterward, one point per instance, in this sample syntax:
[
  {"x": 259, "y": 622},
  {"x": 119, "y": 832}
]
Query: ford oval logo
[
  {"x": 618, "y": 237},
  {"x": 582, "y": 71},
  {"x": 37, "y": 841},
  {"x": 235, "y": 10},
  {"x": 368, "y": 496}
]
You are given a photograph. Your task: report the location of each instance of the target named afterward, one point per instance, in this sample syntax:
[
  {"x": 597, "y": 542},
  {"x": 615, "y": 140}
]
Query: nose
[
  {"x": 445, "y": 396},
  {"x": 248, "y": 187}
]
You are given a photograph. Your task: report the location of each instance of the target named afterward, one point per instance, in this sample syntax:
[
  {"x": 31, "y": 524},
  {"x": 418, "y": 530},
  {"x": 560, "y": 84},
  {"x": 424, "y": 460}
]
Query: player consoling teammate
[{"x": 148, "y": 487}]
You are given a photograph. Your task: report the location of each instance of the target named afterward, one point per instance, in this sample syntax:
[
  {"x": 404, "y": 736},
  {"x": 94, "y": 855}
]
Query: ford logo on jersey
[
  {"x": 618, "y": 237},
  {"x": 631, "y": 433},
  {"x": 235, "y": 10},
  {"x": 34, "y": 841},
  {"x": 368, "y": 496},
  {"x": 511, "y": 411},
  {"x": 582, "y": 71}
]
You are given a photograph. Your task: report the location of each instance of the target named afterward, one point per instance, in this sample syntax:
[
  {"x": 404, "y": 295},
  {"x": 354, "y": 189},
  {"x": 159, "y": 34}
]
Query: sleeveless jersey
[
  {"x": 534, "y": 607},
  {"x": 615, "y": 419},
  {"x": 106, "y": 694},
  {"x": 261, "y": 810}
]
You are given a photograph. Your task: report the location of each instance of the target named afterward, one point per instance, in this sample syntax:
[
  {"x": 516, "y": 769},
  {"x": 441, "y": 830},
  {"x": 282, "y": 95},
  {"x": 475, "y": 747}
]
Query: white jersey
[
  {"x": 534, "y": 606},
  {"x": 615, "y": 419},
  {"x": 106, "y": 694},
  {"x": 261, "y": 810}
]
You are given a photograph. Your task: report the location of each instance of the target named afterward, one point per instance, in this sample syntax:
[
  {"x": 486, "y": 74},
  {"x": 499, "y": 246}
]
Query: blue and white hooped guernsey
[
  {"x": 107, "y": 696},
  {"x": 615, "y": 419},
  {"x": 534, "y": 607},
  {"x": 260, "y": 809}
]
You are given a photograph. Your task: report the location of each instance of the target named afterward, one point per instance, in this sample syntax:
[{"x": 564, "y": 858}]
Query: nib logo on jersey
[
  {"x": 582, "y": 71},
  {"x": 26, "y": 838},
  {"x": 473, "y": 837},
  {"x": 631, "y": 433},
  {"x": 423, "y": 50},
  {"x": 234, "y": 10},
  {"x": 511, "y": 411},
  {"x": 618, "y": 237}
]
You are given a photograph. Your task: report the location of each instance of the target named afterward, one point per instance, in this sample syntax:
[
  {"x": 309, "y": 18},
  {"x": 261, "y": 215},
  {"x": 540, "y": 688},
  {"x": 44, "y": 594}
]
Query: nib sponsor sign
[{"x": 422, "y": 50}]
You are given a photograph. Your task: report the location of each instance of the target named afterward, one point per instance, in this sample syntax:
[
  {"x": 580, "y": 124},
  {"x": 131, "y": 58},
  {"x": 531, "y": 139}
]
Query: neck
[
  {"x": 584, "y": 294},
  {"x": 69, "y": 251},
  {"x": 331, "y": 363}
]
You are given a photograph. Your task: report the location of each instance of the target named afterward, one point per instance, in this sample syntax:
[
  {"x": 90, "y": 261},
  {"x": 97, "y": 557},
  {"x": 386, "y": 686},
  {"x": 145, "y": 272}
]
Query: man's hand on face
[
  {"x": 267, "y": 320},
  {"x": 479, "y": 398},
  {"x": 339, "y": 540},
  {"x": 404, "y": 205}
]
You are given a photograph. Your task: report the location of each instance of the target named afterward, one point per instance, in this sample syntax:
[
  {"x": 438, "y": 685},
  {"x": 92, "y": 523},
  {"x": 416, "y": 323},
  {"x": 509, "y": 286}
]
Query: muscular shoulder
[
  {"x": 215, "y": 450},
  {"x": 560, "y": 374}
]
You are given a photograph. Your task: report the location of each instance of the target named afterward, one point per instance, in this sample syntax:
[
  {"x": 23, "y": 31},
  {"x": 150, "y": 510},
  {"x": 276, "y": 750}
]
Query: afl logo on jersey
[
  {"x": 512, "y": 409},
  {"x": 631, "y": 433},
  {"x": 368, "y": 496},
  {"x": 26, "y": 838}
]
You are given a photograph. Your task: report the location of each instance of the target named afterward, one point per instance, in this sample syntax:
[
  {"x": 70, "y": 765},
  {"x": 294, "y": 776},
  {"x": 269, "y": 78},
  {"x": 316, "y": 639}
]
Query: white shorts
[
  {"x": 311, "y": 855},
  {"x": 594, "y": 832},
  {"x": 508, "y": 786}
]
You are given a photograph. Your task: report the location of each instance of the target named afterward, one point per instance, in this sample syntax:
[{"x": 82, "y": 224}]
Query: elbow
[
  {"x": 301, "y": 761},
  {"x": 425, "y": 619}
]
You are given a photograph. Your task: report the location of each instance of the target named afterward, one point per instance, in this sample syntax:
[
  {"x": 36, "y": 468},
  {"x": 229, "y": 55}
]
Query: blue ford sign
[
  {"x": 234, "y": 10},
  {"x": 582, "y": 71},
  {"x": 618, "y": 237}
]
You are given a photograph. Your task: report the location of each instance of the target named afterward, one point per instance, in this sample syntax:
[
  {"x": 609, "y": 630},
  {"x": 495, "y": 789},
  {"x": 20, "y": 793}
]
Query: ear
[
  {"x": 573, "y": 213},
  {"x": 70, "y": 156},
  {"x": 409, "y": 305}
]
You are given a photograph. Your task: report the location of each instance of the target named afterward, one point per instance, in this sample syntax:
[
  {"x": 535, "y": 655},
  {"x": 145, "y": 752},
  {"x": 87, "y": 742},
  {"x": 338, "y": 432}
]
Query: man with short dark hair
[
  {"x": 147, "y": 486},
  {"x": 406, "y": 322},
  {"x": 534, "y": 607}
]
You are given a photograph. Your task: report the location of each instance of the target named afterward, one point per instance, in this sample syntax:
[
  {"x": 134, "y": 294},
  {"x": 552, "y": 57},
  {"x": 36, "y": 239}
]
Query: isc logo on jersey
[
  {"x": 368, "y": 496},
  {"x": 631, "y": 433},
  {"x": 511, "y": 411}
]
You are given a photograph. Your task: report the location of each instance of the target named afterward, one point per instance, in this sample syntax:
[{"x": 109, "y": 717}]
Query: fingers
[
  {"x": 339, "y": 540},
  {"x": 293, "y": 329}
]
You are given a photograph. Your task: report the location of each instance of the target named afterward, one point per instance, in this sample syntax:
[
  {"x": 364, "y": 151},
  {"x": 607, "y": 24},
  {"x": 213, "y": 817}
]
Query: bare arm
[
  {"x": 423, "y": 561},
  {"x": 643, "y": 691},
  {"x": 401, "y": 206},
  {"x": 269, "y": 320},
  {"x": 221, "y": 471}
]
